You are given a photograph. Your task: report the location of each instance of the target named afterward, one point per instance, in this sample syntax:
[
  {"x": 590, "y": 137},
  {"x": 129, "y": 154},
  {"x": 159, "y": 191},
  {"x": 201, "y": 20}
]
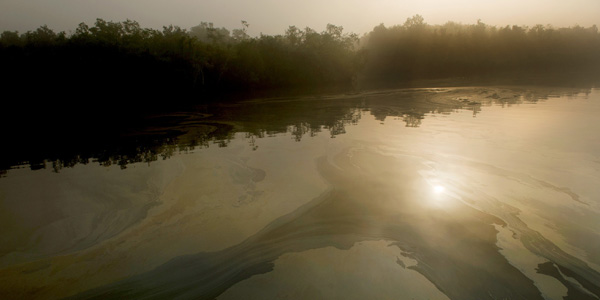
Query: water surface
[{"x": 442, "y": 193}]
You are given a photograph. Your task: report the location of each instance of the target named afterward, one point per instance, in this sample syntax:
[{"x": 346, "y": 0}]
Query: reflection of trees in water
[
  {"x": 412, "y": 119},
  {"x": 336, "y": 125},
  {"x": 339, "y": 127},
  {"x": 140, "y": 149},
  {"x": 299, "y": 130},
  {"x": 297, "y": 118}
]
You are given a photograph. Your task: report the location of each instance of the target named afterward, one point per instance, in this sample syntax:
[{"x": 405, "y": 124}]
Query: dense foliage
[
  {"x": 81, "y": 91},
  {"x": 88, "y": 87},
  {"x": 124, "y": 59},
  {"x": 123, "y": 56},
  {"x": 418, "y": 50}
]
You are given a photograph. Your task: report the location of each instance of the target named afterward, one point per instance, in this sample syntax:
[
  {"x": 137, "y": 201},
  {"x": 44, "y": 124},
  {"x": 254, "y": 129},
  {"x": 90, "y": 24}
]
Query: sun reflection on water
[{"x": 441, "y": 192}]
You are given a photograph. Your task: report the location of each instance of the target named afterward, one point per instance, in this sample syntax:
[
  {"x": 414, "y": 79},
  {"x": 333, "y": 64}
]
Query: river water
[{"x": 441, "y": 193}]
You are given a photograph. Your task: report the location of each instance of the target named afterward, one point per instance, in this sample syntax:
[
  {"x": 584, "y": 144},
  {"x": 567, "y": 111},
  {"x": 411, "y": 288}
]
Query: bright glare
[{"x": 438, "y": 189}]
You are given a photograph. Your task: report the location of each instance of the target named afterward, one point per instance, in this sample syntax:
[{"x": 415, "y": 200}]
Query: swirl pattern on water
[{"x": 451, "y": 183}]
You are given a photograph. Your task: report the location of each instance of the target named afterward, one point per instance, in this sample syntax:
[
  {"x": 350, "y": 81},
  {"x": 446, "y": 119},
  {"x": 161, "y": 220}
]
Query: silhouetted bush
[{"x": 121, "y": 64}]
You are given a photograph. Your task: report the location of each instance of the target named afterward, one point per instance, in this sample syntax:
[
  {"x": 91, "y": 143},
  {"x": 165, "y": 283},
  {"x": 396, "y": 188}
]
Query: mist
[
  {"x": 270, "y": 17},
  {"x": 304, "y": 150},
  {"x": 207, "y": 59},
  {"x": 122, "y": 71}
]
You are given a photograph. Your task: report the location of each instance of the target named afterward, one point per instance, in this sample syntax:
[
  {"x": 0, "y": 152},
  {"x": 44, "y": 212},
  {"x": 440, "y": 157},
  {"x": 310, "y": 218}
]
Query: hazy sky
[{"x": 274, "y": 16}]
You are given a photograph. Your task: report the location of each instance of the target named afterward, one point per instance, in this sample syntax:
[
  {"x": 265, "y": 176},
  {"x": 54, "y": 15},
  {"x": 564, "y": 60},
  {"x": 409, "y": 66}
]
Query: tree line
[
  {"x": 123, "y": 57},
  {"x": 88, "y": 86},
  {"x": 419, "y": 50}
]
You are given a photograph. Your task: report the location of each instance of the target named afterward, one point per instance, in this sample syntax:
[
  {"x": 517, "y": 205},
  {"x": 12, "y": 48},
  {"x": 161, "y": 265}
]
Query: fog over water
[
  {"x": 267, "y": 149},
  {"x": 440, "y": 193}
]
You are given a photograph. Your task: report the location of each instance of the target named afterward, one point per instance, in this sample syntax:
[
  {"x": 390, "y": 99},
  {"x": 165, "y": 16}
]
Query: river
[{"x": 425, "y": 193}]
